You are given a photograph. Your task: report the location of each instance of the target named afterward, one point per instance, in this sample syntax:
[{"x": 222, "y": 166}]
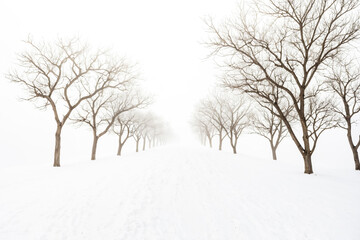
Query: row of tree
[
  {"x": 87, "y": 86},
  {"x": 141, "y": 126},
  {"x": 223, "y": 114},
  {"x": 296, "y": 60}
]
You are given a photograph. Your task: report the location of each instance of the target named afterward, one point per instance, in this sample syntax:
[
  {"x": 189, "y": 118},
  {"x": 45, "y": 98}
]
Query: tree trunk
[
  {"x": 137, "y": 145},
  {"x": 306, "y": 152},
  {"x": 234, "y": 149},
  {"x": 233, "y": 143},
  {"x": 119, "y": 149},
  {"x": 308, "y": 164},
  {"x": 149, "y": 143},
  {"x": 94, "y": 147},
  {"x": 119, "y": 146},
  {"x": 220, "y": 142},
  {"x": 57, "y": 146},
  {"x": 144, "y": 144},
  {"x": 273, "y": 150},
  {"x": 274, "y": 153},
  {"x": 352, "y": 146},
  {"x": 356, "y": 158}
]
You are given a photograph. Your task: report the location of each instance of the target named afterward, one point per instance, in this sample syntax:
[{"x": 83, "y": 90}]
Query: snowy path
[{"x": 178, "y": 193}]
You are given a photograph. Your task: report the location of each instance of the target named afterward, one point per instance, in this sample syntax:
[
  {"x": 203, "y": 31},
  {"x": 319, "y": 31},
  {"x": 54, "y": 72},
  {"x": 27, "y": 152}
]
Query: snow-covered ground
[{"x": 178, "y": 192}]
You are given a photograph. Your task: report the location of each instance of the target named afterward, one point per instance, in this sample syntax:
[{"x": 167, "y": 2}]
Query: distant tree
[
  {"x": 236, "y": 115},
  {"x": 269, "y": 126},
  {"x": 345, "y": 82},
  {"x": 137, "y": 127},
  {"x": 122, "y": 128},
  {"x": 149, "y": 126},
  {"x": 203, "y": 124},
  {"x": 278, "y": 61},
  {"x": 212, "y": 109},
  {"x": 101, "y": 111},
  {"x": 63, "y": 75}
]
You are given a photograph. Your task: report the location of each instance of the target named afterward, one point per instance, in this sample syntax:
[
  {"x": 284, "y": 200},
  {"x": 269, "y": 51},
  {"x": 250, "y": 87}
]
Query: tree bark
[
  {"x": 308, "y": 164},
  {"x": 234, "y": 149},
  {"x": 306, "y": 151},
  {"x": 233, "y": 143},
  {"x": 273, "y": 150},
  {"x": 220, "y": 142},
  {"x": 356, "y": 158},
  {"x": 273, "y": 153},
  {"x": 94, "y": 147},
  {"x": 119, "y": 146},
  {"x": 57, "y": 146},
  {"x": 352, "y": 146},
  {"x": 119, "y": 149}
]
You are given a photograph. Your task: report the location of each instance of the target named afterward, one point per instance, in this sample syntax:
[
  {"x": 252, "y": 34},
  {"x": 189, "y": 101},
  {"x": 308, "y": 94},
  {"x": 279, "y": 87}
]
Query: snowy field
[{"x": 175, "y": 193}]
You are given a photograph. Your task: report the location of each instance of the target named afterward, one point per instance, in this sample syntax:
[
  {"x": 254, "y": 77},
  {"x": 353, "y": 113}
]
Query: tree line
[
  {"x": 295, "y": 59},
  {"x": 226, "y": 115},
  {"x": 89, "y": 87}
]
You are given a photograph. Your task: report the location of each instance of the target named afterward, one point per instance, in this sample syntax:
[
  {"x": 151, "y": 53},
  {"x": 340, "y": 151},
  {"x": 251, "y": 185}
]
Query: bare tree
[
  {"x": 137, "y": 126},
  {"x": 212, "y": 109},
  {"x": 236, "y": 115},
  {"x": 163, "y": 132},
  {"x": 101, "y": 111},
  {"x": 154, "y": 128},
  {"x": 149, "y": 126},
  {"x": 62, "y": 75},
  {"x": 204, "y": 126},
  {"x": 345, "y": 82},
  {"x": 278, "y": 61},
  {"x": 266, "y": 124}
]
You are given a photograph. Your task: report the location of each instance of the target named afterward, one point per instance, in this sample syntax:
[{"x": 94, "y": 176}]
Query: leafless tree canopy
[
  {"x": 224, "y": 116},
  {"x": 277, "y": 58},
  {"x": 63, "y": 75},
  {"x": 101, "y": 111}
]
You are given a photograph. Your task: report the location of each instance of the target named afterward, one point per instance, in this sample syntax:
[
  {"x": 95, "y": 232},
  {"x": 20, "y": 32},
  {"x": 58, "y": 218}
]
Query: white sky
[{"x": 163, "y": 37}]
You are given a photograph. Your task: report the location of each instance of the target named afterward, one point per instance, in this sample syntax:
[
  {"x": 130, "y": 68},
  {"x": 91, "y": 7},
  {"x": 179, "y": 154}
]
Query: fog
[{"x": 164, "y": 38}]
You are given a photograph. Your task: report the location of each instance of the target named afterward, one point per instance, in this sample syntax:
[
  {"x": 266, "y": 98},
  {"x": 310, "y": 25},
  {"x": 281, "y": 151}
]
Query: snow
[{"x": 178, "y": 192}]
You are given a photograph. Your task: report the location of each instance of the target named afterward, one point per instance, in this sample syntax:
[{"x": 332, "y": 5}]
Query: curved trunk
[
  {"x": 57, "y": 146},
  {"x": 356, "y": 159},
  {"x": 233, "y": 143},
  {"x": 119, "y": 149},
  {"x": 119, "y": 146},
  {"x": 353, "y": 147},
  {"x": 94, "y": 147},
  {"x": 234, "y": 149}
]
